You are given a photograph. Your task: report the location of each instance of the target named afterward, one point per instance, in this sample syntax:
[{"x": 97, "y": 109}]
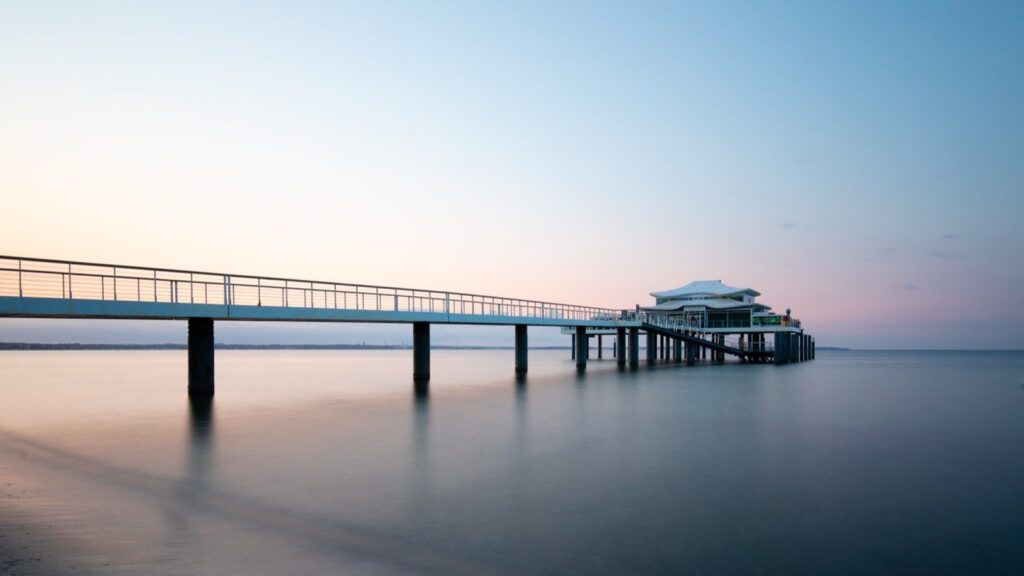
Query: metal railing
[
  {"x": 681, "y": 325},
  {"x": 43, "y": 278},
  {"x": 748, "y": 346},
  {"x": 666, "y": 321}
]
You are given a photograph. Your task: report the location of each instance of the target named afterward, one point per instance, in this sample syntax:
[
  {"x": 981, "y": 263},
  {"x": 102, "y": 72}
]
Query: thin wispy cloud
[{"x": 943, "y": 255}]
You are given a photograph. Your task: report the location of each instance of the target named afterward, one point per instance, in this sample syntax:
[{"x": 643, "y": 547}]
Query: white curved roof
[
  {"x": 709, "y": 303},
  {"x": 704, "y": 288}
]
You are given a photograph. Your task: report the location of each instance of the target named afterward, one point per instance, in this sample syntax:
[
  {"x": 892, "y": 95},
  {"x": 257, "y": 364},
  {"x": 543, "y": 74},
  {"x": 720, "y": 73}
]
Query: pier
[{"x": 44, "y": 288}]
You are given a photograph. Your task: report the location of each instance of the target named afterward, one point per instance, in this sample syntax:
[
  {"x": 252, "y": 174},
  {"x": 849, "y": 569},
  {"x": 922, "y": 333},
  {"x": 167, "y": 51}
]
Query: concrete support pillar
[
  {"x": 781, "y": 348},
  {"x": 652, "y": 347},
  {"x": 600, "y": 346},
  {"x": 620, "y": 346},
  {"x": 677, "y": 350},
  {"x": 814, "y": 349},
  {"x": 200, "y": 356},
  {"x": 521, "y": 349},
  {"x": 794, "y": 347},
  {"x": 634, "y": 348},
  {"x": 572, "y": 345},
  {"x": 691, "y": 354},
  {"x": 582, "y": 347},
  {"x": 421, "y": 352}
]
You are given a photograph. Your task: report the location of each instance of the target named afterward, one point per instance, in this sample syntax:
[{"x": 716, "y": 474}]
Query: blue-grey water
[{"x": 325, "y": 462}]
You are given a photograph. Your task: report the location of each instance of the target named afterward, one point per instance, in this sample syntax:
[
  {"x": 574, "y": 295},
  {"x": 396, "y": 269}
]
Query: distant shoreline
[
  {"x": 40, "y": 346},
  {"x": 224, "y": 346}
]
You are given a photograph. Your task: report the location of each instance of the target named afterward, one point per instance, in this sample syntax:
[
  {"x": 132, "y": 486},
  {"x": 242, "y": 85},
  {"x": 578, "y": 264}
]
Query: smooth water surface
[{"x": 323, "y": 462}]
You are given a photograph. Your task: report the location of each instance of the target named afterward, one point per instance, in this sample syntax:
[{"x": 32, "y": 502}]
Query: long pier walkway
[{"x": 44, "y": 288}]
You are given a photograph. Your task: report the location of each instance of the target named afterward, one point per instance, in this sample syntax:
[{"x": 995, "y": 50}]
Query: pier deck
[{"x": 45, "y": 288}]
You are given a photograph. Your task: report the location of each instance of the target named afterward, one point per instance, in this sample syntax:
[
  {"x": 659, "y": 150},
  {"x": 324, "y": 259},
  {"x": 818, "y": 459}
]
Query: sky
[{"x": 860, "y": 163}]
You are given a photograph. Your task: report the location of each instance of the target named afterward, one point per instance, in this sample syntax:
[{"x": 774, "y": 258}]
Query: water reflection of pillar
[
  {"x": 195, "y": 480},
  {"x": 200, "y": 437},
  {"x": 420, "y": 487}
]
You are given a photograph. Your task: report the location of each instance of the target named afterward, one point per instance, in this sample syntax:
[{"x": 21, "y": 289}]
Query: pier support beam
[
  {"x": 572, "y": 345},
  {"x": 620, "y": 346},
  {"x": 421, "y": 352},
  {"x": 691, "y": 354},
  {"x": 200, "y": 356},
  {"x": 652, "y": 347},
  {"x": 600, "y": 346},
  {"x": 582, "y": 348},
  {"x": 634, "y": 348},
  {"x": 677, "y": 350},
  {"x": 521, "y": 349},
  {"x": 794, "y": 347},
  {"x": 781, "y": 348}
]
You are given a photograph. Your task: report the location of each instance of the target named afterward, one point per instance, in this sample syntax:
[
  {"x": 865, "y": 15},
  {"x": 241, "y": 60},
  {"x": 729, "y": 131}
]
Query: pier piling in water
[
  {"x": 582, "y": 347},
  {"x": 200, "y": 356},
  {"x": 781, "y": 348},
  {"x": 421, "y": 352},
  {"x": 521, "y": 349},
  {"x": 620, "y": 346},
  {"x": 634, "y": 348}
]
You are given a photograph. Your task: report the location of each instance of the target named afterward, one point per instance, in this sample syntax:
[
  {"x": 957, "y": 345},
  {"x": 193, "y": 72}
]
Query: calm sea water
[{"x": 325, "y": 462}]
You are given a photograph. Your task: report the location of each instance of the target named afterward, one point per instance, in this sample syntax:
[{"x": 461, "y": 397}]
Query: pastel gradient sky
[{"x": 861, "y": 163}]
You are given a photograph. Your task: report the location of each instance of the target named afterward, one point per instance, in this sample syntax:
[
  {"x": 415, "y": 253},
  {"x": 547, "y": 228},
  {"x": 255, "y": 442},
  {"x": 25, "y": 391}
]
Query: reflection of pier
[{"x": 39, "y": 288}]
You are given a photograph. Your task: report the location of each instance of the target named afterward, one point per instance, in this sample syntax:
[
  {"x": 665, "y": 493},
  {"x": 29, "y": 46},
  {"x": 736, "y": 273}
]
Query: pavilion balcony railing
[
  {"x": 42, "y": 278},
  {"x": 681, "y": 325},
  {"x": 747, "y": 346},
  {"x": 666, "y": 321}
]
